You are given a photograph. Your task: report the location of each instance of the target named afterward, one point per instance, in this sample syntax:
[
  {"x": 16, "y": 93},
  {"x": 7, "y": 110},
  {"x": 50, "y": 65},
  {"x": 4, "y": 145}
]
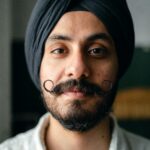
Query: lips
[{"x": 75, "y": 92}]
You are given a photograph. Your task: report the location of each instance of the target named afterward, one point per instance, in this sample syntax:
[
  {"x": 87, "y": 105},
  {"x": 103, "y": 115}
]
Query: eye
[
  {"x": 97, "y": 52},
  {"x": 58, "y": 51}
]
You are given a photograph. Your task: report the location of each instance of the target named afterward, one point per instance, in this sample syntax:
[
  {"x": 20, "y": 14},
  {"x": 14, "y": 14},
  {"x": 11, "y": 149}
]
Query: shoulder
[
  {"x": 19, "y": 142},
  {"x": 30, "y": 140},
  {"x": 134, "y": 141}
]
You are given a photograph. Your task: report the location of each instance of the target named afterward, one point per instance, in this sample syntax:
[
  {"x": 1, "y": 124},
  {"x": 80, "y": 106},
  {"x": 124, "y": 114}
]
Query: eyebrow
[
  {"x": 97, "y": 36},
  {"x": 59, "y": 37}
]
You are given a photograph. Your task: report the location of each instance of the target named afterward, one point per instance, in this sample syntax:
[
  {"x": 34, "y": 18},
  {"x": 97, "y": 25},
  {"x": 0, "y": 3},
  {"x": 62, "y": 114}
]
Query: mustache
[{"x": 82, "y": 85}]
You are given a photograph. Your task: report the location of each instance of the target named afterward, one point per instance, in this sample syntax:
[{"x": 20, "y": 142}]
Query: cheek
[
  {"x": 107, "y": 71},
  {"x": 49, "y": 71}
]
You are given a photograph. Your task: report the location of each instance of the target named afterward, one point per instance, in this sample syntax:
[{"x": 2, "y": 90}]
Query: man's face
[{"x": 78, "y": 48}]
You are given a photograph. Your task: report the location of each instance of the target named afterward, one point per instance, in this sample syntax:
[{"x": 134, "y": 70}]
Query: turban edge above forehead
[{"x": 113, "y": 13}]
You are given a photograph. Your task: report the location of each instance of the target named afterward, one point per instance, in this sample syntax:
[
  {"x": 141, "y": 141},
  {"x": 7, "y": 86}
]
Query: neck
[{"x": 59, "y": 138}]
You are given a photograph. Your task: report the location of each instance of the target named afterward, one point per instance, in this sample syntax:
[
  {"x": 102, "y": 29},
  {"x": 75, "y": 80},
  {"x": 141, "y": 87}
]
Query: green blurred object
[
  {"x": 138, "y": 74},
  {"x": 140, "y": 127}
]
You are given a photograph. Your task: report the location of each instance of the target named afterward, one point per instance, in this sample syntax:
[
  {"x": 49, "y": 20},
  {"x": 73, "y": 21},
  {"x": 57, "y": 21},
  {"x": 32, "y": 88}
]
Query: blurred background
[{"x": 20, "y": 103}]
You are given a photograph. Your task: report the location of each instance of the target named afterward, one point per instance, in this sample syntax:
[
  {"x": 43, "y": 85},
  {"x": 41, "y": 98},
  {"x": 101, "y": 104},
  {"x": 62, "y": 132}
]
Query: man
[{"x": 76, "y": 53}]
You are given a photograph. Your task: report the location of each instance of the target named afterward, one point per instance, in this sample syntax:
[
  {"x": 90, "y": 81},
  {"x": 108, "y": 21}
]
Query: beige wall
[
  {"x": 5, "y": 37},
  {"x": 140, "y": 10},
  {"x": 21, "y": 12},
  {"x": 13, "y": 18}
]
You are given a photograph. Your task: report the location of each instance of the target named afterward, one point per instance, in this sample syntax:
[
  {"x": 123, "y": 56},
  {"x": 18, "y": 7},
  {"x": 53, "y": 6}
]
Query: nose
[{"x": 77, "y": 67}]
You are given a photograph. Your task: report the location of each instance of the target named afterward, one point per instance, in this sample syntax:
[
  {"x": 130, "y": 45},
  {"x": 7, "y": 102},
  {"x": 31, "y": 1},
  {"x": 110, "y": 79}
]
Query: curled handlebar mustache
[{"x": 88, "y": 88}]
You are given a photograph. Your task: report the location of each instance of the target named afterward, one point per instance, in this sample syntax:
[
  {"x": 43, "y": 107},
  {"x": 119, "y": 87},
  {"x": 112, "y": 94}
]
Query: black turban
[{"x": 113, "y": 13}]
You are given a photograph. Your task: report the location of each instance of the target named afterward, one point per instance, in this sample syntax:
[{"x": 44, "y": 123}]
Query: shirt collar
[
  {"x": 114, "y": 136},
  {"x": 39, "y": 135},
  {"x": 40, "y": 130}
]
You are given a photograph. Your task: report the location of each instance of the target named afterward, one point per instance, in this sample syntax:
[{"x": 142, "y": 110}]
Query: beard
[{"x": 78, "y": 118}]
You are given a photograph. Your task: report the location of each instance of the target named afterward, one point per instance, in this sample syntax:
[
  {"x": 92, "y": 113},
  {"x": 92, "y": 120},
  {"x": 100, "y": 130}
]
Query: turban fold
[{"x": 113, "y": 13}]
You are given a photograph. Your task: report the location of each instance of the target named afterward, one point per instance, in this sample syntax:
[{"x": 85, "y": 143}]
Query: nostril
[
  {"x": 78, "y": 74},
  {"x": 77, "y": 68},
  {"x": 70, "y": 75}
]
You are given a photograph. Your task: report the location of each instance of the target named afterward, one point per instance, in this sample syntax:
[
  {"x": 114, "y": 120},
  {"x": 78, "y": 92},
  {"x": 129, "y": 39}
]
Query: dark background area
[{"x": 27, "y": 106}]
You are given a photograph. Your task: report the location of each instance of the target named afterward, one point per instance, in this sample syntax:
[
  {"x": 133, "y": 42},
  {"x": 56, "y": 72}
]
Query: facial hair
[{"x": 78, "y": 118}]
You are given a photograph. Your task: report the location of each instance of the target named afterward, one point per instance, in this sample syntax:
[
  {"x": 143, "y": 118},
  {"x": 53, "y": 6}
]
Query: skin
[{"x": 72, "y": 51}]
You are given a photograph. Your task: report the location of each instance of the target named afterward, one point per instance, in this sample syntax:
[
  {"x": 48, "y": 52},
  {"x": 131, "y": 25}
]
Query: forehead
[{"x": 79, "y": 24}]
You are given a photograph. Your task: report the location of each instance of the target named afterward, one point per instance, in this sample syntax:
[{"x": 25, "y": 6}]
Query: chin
[{"x": 81, "y": 115}]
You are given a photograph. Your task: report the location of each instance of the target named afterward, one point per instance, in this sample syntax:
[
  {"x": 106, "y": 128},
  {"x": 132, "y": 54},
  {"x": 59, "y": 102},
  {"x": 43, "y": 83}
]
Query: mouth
[{"x": 75, "y": 93}]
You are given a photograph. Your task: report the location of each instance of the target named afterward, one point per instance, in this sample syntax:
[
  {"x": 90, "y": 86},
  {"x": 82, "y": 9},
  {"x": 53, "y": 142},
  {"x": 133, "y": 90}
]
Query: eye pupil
[
  {"x": 97, "y": 52},
  {"x": 58, "y": 51}
]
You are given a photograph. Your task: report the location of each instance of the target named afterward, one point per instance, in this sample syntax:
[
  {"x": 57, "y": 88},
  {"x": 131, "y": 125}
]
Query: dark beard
[{"x": 81, "y": 120}]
